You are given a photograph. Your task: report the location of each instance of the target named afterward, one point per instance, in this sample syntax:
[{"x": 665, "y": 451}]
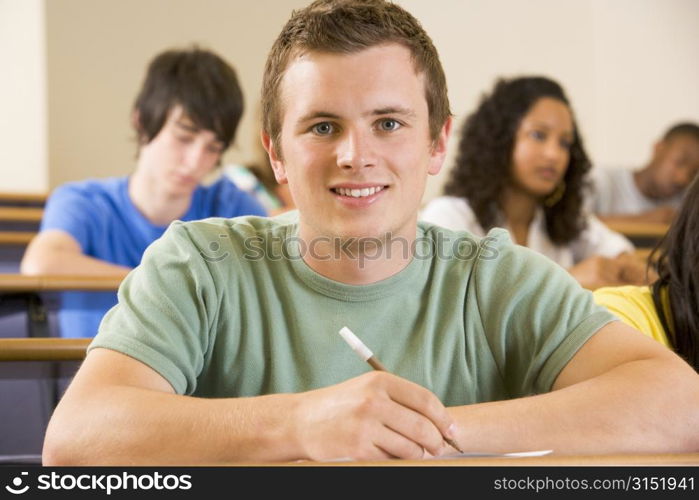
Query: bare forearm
[
  {"x": 60, "y": 262},
  {"x": 641, "y": 407},
  {"x": 126, "y": 425}
]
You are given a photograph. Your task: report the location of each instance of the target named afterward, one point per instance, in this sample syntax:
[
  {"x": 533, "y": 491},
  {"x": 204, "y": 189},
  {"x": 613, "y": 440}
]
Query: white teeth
[{"x": 358, "y": 193}]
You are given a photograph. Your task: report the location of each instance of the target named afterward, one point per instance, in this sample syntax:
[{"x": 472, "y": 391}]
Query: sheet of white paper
[{"x": 536, "y": 453}]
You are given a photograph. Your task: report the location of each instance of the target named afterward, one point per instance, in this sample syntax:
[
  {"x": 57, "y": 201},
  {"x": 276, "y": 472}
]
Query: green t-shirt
[{"x": 228, "y": 307}]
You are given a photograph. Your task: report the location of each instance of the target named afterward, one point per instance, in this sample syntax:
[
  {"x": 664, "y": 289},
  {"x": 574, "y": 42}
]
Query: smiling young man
[
  {"x": 220, "y": 351},
  {"x": 185, "y": 116}
]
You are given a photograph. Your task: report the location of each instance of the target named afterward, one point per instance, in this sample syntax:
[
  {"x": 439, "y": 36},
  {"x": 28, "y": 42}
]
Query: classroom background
[{"x": 71, "y": 69}]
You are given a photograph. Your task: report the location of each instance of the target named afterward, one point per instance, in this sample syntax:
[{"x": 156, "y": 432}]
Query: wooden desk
[
  {"x": 25, "y": 293},
  {"x": 33, "y": 198},
  {"x": 654, "y": 459},
  {"x": 640, "y": 229},
  {"x": 545, "y": 461},
  {"x": 44, "y": 349},
  {"x": 17, "y": 283},
  {"x": 16, "y": 238},
  {"x": 643, "y": 253},
  {"x": 21, "y": 214}
]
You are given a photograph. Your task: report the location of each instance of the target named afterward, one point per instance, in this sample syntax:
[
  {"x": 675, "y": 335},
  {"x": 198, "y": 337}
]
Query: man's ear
[
  {"x": 136, "y": 124},
  {"x": 439, "y": 148},
  {"x": 658, "y": 149},
  {"x": 274, "y": 159}
]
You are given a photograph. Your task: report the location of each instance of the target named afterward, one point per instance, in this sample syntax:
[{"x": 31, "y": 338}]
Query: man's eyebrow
[
  {"x": 187, "y": 125},
  {"x": 314, "y": 115},
  {"x": 389, "y": 110},
  {"x": 394, "y": 110},
  {"x": 194, "y": 129}
]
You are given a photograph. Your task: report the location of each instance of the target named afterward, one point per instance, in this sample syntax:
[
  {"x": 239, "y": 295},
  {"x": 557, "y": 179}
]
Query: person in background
[
  {"x": 653, "y": 193},
  {"x": 668, "y": 310},
  {"x": 257, "y": 178},
  {"x": 259, "y": 181},
  {"x": 235, "y": 356},
  {"x": 185, "y": 116},
  {"x": 521, "y": 165}
]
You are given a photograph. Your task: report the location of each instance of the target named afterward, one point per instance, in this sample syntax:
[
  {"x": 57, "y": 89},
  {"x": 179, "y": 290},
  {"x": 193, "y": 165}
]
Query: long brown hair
[
  {"x": 484, "y": 159},
  {"x": 676, "y": 260}
]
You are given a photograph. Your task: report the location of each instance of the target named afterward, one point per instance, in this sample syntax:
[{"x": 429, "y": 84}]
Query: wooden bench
[
  {"x": 17, "y": 283},
  {"x": 642, "y": 234},
  {"x": 45, "y": 349},
  {"x": 21, "y": 214},
  {"x": 19, "y": 292},
  {"x": 18, "y": 198},
  {"x": 16, "y": 238}
]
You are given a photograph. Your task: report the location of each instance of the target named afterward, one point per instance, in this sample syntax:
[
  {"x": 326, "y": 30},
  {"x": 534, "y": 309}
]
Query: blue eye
[
  {"x": 323, "y": 128},
  {"x": 389, "y": 125}
]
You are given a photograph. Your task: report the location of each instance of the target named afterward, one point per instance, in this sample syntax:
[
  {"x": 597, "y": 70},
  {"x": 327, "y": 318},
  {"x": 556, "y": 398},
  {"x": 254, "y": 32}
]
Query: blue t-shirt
[{"x": 100, "y": 215}]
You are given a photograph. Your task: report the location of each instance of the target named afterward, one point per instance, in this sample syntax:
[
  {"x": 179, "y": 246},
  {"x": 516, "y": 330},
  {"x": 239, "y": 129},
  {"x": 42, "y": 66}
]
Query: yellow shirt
[{"x": 634, "y": 306}]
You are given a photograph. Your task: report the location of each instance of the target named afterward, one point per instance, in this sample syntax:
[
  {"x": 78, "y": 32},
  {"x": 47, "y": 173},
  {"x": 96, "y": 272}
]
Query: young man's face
[
  {"x": 181, "y": 155},
  {"x": 675, "y": 162},
  {"x": 355, "y": 144}
]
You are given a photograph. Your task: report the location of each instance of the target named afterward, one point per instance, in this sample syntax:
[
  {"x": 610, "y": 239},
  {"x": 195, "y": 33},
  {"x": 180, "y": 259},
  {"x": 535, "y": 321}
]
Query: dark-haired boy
[{"x": 185, "y": 117}]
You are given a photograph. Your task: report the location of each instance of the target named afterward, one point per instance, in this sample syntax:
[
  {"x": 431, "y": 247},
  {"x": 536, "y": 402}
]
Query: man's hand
[
  {"x": 597, "y": 271},
  {"x": 372, "y": 417},
  {"x": 635, "y": 270},
  {"x": 625, "y": 269}
]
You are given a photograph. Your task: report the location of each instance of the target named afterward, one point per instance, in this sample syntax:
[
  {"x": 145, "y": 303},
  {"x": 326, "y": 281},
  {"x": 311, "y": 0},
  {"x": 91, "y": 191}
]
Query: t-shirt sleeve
[
  {"x": 616, "y": 302},
  {"x": 69, "y": 209},
  {"x": 167, "y": 307},
  {"x": 534, "y": 314}
]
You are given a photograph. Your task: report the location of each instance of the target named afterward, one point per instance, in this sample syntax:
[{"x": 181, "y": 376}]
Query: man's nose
[
  {"x": 355, "y": 150},
  {"x": 195, "y": 156},
  {"x": 684, "y": 176}
]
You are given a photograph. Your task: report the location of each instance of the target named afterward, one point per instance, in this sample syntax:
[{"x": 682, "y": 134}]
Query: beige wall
[
  {"x": 23, "y": 113},
  {"x": 98, "y": 51},
  {"x": 629, "y": 67}
]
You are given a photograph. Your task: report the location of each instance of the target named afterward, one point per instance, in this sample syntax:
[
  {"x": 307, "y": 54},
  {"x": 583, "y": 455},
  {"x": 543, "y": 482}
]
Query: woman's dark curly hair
[
  {"x": 484, "y": 159},
  {"x": 676, "y": 260}
]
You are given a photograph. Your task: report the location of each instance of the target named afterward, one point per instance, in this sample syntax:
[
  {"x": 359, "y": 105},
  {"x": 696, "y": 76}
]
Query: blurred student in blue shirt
[{"x": 185, "y": 117}]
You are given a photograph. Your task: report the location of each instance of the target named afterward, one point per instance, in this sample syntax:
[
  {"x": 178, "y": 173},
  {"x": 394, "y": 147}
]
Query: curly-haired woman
[{"x": 521, "y": 165}]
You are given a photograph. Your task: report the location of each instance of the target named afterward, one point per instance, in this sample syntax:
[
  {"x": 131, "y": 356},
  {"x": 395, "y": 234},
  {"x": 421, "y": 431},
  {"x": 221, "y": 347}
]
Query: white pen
[{"x": 365, "y": 353}]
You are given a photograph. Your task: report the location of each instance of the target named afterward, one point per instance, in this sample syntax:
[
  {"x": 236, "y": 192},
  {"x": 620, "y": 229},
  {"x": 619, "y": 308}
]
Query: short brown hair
[
  {"x": 684, "y": 128},
  {"x": 345, "y": 27},
  {"x": 201, "y": 82}
]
